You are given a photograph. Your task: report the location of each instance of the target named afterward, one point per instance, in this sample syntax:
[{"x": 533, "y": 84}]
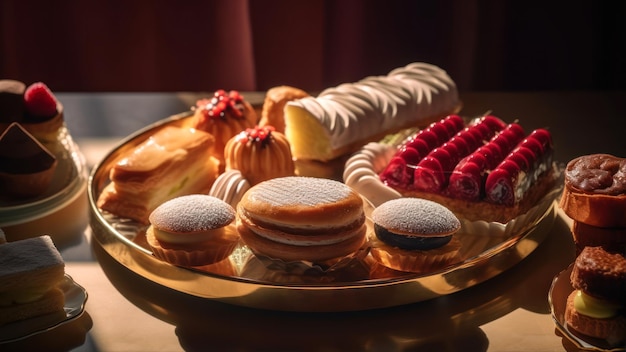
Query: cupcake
[
  {"x": 224, "y": 116},
  {"x": 260, "y": 153},
  {"x": 414, "y": 235},
  {"x": 192, "y": 230}
]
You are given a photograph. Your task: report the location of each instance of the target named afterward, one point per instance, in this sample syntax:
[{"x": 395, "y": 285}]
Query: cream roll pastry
[
  {"x": 192, "y": 230},
  {"x": 343, "y": 118},
  {"x": 302, "y": 219}
]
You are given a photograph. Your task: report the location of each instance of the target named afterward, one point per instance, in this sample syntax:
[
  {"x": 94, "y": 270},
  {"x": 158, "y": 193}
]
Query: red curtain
[{"x": 194, "y": 45}]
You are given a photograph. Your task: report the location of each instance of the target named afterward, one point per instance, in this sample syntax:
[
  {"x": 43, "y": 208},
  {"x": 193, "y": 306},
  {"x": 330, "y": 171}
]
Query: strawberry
[{"x": 39, "y": 100}]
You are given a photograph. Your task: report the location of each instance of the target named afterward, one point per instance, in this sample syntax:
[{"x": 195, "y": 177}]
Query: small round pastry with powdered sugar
[
  {"x": 415, "y": 235},
  {"x": 192, "y": 230},
  {"x": 298, "y": 218}
]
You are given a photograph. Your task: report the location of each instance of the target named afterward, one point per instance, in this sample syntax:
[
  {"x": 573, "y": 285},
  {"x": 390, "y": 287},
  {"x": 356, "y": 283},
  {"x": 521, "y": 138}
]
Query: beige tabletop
[{"x": 510, "y": 312}]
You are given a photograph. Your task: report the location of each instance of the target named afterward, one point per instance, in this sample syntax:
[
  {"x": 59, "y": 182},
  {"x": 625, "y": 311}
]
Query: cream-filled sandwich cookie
[
  {"x": 302, "y": 219},
  {"x": 414, "y": 235}
]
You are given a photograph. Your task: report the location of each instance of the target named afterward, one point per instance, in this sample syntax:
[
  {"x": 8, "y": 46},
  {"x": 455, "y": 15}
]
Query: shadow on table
[{"x": 447, "y": 323}]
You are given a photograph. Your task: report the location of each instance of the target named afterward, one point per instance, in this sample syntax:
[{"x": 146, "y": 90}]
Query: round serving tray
[{"x": 246, "y": 281}]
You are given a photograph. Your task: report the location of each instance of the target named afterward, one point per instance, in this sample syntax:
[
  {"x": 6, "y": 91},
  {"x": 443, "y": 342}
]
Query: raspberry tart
[{"x": 485, "y": 169}]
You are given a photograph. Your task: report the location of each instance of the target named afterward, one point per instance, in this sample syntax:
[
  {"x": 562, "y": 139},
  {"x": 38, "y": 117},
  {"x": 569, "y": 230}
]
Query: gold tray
[{"x": 244, "y": 280}]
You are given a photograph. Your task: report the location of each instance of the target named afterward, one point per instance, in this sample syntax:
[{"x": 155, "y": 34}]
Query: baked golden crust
[
  {"x": 289, "y": 253},
  {"x": 611, "y": 329},
  {"x": 595, "y": 191},
  {"x": 611, "y": 238},
  {"x": 172, "y": 162},
  {"x": 319, "y": 203},
  {"x": 274, "y": 104},
  {"x": 196, "y": 254},
  {"x": 417, "y": 261},
  {"x": 475, "y": 211}
]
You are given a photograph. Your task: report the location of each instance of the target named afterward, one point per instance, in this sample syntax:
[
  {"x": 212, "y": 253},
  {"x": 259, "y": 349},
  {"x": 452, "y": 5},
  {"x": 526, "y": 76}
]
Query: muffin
[
  {"x": 415, "y": 235},
  {"x": 260, "y": 153},
  {"x": 192, "y": 230},
  {"x": 299, "y": 218}
]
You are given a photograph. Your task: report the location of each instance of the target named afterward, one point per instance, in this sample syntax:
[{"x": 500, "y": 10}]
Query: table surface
[{"x": 509, "y": 312}]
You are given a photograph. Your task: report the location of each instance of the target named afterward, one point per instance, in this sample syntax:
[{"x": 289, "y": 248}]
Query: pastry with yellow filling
[
  {"x": 596, "y": 307},
  {"x": 170, "y": 163},
  {"x": 30, "y": 273},
  {"x": 192, "y": 230}
]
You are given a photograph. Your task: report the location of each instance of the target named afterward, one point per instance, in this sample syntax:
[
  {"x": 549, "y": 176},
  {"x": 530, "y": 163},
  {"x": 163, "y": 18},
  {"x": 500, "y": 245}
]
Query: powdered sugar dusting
[
  {"x": 415, "y": 216},
  {"x": 192, "y": 213},
  {"x": 297, "y": 190}
]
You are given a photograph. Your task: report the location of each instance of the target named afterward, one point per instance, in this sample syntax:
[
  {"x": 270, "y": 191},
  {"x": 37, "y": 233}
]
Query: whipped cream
[{"x": 353, "y": 112}]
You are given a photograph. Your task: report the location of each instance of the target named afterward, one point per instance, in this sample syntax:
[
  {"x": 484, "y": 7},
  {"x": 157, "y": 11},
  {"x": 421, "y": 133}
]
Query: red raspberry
[{"x": 39, "y": 100}]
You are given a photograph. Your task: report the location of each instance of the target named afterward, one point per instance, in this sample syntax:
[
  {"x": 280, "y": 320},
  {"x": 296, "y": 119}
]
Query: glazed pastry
[
  {"x": 192, "y": 230},
  {"x": 610, "y": 238},
  {"x": 485, "y": 170},
  {"x": 223, "y": 116},
  {"x": 276, "y": 98},
  {"x": 415, "y": 235},
  {"x": 302, "y": 219},
  {"x": 171, "y": 163},
  {"x": 596, "y": 306},
  {"x": 26, "y": 166},
  {"x": 595, "y": 190},
  {"x": 31, "y": 271},
  {"x": 342, "y": 119},
  {"x": 260, "y": 153}
]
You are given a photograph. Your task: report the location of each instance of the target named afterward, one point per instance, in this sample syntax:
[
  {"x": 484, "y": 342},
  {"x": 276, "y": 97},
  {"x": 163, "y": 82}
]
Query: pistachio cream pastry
[
  {"x": 342, "y": 119},
  {"x": 596, "y": 306}
]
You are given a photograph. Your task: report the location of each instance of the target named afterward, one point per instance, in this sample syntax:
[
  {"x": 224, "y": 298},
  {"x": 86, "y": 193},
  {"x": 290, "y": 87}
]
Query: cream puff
[{"x": 192, "y": 230}]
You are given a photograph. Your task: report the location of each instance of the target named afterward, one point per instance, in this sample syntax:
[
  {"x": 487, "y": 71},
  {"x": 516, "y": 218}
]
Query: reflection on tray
[{"x": 451, "y": 322}]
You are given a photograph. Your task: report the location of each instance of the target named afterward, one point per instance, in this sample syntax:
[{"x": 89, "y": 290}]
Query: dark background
[{"x": 193, "y": 45}]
